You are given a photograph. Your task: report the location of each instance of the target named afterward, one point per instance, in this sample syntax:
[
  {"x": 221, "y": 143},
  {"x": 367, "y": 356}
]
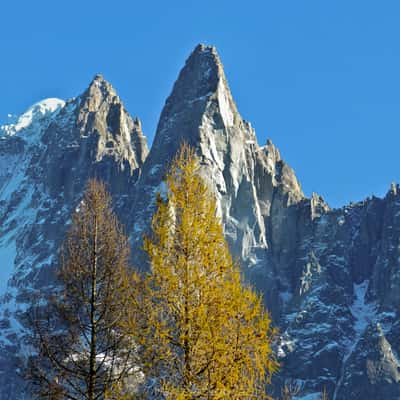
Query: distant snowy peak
[{"x": 35, "y": 115}]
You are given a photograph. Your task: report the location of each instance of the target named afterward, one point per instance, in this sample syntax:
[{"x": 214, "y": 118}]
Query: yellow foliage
[
  {"x": 205, "y": 335},
  {"x": 118, "y": 392}
]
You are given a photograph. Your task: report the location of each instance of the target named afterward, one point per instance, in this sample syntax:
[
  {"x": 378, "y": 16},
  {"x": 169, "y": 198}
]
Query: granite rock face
[
  {"x": 340, "y": 318},
  {"x": 249, "y": 181},
  {"x": 330, "y": 277}
]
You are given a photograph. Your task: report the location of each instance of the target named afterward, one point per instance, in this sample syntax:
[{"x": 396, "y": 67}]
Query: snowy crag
[{"x": 330, "y": 277}]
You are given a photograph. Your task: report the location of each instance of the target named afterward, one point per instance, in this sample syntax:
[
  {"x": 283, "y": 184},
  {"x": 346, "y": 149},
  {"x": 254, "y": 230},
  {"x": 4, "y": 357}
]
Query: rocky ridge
[
  {"x": 47, "y": 157},
  {"x": 329, "y": 277}
]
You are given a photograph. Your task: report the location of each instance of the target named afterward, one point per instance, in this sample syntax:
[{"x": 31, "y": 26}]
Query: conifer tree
[
  {"x": 82, "y": 350},
  {"x": 205, "y": 335}
]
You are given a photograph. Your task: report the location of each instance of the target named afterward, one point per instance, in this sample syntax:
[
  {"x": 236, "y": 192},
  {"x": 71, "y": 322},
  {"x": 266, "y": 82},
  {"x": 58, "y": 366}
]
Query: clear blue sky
[{"x": 320, "y": 78}]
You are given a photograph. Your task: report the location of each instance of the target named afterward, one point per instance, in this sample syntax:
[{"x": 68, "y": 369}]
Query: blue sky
[{"x": 320, "y": 78}]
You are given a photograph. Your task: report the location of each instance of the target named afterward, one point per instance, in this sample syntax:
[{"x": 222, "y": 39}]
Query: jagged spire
[
  {"x": 200, "y": 75},
  {"x": 118, "y": 135},
  {"x": 98, "y": 90},
  {"x": 201, "y": 112},
  {"x": 201, "y": 93}
]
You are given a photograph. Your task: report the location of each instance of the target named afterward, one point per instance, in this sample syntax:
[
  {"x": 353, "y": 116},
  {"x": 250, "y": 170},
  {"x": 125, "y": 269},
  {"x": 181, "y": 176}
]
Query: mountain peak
[
  {"x": 98, "y": 77},
  {"x": 203, "y": 50},
  {"x": 200, "y": 93},
  {"x": 199, "y": 78},
  {"x": 99, "y": 81},
  {"x": 117, "y": 135},
  {"x": 201, "y": 47},
  {"x": 203, "y": 67},
  {"x": 35, "y": 114},
  {"x": 98, "y": 90}
]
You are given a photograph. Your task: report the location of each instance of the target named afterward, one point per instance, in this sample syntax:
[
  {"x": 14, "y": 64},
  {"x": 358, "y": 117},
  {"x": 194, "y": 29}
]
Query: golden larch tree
[
  {"x": 82, "y": 350},
  {"x": 204, "y": 335}
]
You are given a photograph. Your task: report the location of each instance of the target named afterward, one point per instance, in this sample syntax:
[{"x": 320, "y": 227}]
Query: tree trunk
[{"x": 93, "y": 333}]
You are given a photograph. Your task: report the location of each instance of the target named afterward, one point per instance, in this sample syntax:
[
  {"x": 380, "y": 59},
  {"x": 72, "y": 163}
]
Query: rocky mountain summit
[{"x": 330, "y": 277}]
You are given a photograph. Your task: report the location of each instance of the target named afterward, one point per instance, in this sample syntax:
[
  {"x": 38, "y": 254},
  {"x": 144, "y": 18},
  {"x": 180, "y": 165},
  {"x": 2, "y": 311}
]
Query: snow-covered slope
[
  {"x": 18, "y": 142},
  {"x": 34, "y": 117}
]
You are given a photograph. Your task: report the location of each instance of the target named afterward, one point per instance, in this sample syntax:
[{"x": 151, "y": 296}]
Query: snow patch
[
  {"x": 285, "y": 296},
  {"x": 155, "y": 169},
  {"x": 364, "y": 313},
  {"x": 341, "y": 220},
  {"x": 285, "y": 346},
  {"x": 7, "y": 257},
  {"x": 310, "y": 396},
  {"x": 201, "y": 98},
  {"x": 34, "y": 114}
]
